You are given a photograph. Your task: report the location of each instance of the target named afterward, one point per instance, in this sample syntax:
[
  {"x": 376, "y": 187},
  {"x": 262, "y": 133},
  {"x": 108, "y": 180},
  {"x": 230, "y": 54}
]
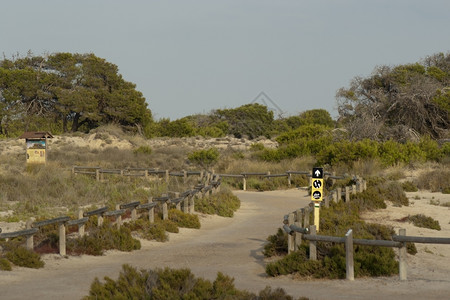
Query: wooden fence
[
  {"x": 182, "y": 201},
  {"x": 297, "y": 226},
  {"x": 100, "y": 173}
]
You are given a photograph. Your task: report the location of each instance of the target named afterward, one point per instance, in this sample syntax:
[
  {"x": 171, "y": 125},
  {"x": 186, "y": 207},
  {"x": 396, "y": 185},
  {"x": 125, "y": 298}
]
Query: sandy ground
[{"x": 234, "y": 246}]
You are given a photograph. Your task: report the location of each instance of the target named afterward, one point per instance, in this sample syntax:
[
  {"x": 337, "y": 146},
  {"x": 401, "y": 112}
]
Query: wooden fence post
[
  {"x": 151, "y": 212},
  {"x": 184, "y": 176},
  {"x": 62, "y": 238},
  {"x": 118, "y": 217},
  {"x": 289, "y": 179},
  {"x": 165, "y": 211},
  {"x": 191, "y": 201},
  {"x": 133, "y": 213},
  {"x": 81, "y": 226},
  {"x": 353, "y": 189},
  {"x": 244, "y": 183},
  {"x": 298, "y": 235},
  {"x": 347, "y": 194},
  {"x": 312, "y": 244},
  {"x": 291, "y": 238},
  {"x": 167, "y": 176},
  {"x": 97, "y": 174},
  {"x": 100, "y": 220},
  {"x": 186, "y": 204},
  {"x": 349, "y": 264},
  {"x": 30, "y": 238},
  {"x": 402, "y": 257},
  {"x": 178, "y": 205},
  {"x": 339, "y": 194}
]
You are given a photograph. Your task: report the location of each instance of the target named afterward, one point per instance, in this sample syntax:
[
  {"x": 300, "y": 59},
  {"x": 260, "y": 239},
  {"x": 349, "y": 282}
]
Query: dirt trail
[{"x": 229, "y": 245}]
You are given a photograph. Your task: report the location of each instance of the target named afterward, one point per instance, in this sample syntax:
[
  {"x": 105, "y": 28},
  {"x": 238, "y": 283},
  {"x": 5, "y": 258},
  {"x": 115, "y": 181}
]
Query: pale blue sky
[{"x": 190, "y": 57}]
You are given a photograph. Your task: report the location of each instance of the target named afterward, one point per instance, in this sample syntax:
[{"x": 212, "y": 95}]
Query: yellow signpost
[{"x": 317, "y": 193}]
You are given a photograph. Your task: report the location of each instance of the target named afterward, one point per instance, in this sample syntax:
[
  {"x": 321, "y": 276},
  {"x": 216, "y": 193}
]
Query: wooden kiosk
[{"x": 36, "y": 146}]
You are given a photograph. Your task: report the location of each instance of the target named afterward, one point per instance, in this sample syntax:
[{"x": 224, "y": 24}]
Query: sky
[{"x": 192, "y": 56}]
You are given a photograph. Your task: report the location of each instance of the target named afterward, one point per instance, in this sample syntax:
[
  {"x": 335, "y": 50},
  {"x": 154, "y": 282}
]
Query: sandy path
[{"x": 230, "y": 245}]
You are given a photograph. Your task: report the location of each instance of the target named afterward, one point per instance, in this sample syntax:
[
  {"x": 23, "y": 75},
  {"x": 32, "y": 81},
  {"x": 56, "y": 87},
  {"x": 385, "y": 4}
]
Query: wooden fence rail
[
  {"x": 145, "y": 172},
  {"x": 398, "y": 241},
  {"x": 99, "y": 173},
  {"x": 187, "y": 198},
  {"x": 296, "y": 225}
]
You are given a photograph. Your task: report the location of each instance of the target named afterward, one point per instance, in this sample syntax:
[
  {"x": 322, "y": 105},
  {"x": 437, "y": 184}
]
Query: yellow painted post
[{"x": 317, "y": 215}]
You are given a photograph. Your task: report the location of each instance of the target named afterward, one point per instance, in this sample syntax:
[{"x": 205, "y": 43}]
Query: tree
[
  {"x": 76, "y": 90},
  {"x": 251, "y": 120},
  {"x": 400, "y": 102}
]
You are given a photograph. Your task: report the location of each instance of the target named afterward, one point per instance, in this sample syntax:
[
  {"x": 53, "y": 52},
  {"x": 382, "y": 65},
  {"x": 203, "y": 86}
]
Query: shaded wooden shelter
[{"x": 36, "y": 142}]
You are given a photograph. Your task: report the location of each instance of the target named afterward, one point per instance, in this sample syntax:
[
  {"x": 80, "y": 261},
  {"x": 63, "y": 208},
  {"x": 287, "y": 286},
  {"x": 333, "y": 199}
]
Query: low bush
[
  {"x": 223, "y": 203},
  {"x": 168, "y": 225},
  {"x": 204, "y": 157},
  {"x": 143, "y": 150},
  {"x": 423, "y": 221},
  {"x": 409, "y": 186},
  {"x": 411, "y": 248},
  {"x": 103, "y": 238},
  {"x": 5, "y": 265},
  {"x": 24, "y": 257},
  {"x": 147, "y": 230},
  {"x": 183, "y": 219},
  {"x": 162, "y": 284},
  {"x": 388, "y": 191},
  {"x": 277, "y": 244},
  {"x": 427, "y": 180}
]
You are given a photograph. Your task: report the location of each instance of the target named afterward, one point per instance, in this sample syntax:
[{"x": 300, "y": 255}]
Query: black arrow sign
[{"x": 317, "y": 173}]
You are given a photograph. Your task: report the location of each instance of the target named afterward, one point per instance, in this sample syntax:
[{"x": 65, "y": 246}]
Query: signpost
[{"x": 317, "y": 193}]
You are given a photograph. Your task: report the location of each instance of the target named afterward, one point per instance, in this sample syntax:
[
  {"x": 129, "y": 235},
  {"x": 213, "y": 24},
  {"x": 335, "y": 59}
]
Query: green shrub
[
  {"x": 5, "y": 265},
  {"x": 297, "y": 262},
  {"x": 388, "y": 190},
  {"x": 423, "y": 221},
  {"x": 168, "y": 225},
  {"x": 183, "y": 219},
  {"x": 104, "y": 238},
  {"x": 256, "y": 147},
  {"x": 369, "y": 199},
  {"x": 393, "y": 192},
  {"x": 266, "y": 184},
  {"x": 277, "y": 244},
  {"x": 409, "y": 186},
  {"x": 204, "y": 157},
  {"x": 162, "y": 284},
  {"x": 147, "y": 230},
  {"x": 411, "y": 248},
  {"x": 24, "y": 257},
  {"x": 369, "y": 261},
  {"x": 223, "y": 203},
  {"x": 143, "y": 150},
  {"x": 427, "y": 180}
]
